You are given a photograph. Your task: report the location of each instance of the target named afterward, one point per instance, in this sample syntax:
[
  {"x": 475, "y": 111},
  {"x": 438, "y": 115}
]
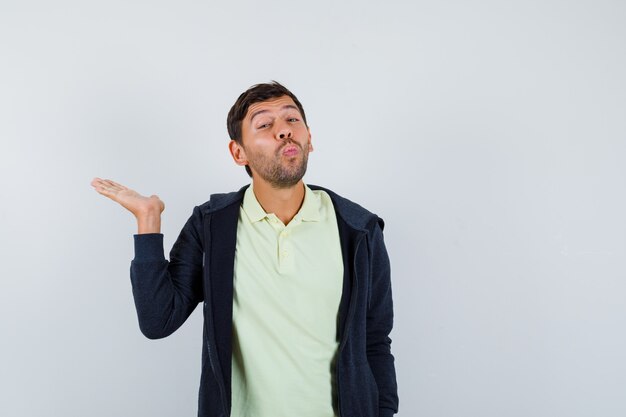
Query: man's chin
[{"x": 287, "y": 181}]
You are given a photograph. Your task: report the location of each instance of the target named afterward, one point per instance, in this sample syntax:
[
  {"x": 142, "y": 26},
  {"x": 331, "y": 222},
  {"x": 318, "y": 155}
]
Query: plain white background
[{"x": 490, "y": 136}]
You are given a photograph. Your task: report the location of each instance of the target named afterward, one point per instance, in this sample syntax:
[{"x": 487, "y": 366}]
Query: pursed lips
[{"x": 290, "y": 150}]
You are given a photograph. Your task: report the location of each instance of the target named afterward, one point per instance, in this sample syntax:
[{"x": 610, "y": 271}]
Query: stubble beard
[{"x": 282, "y": 174}]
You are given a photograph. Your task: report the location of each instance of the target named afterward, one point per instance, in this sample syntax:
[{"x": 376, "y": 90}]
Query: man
[{"x": 294, "y": 279}]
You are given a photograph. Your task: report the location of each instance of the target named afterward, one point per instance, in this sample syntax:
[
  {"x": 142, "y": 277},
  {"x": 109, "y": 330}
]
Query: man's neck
[{"x": 283, "y": 202}]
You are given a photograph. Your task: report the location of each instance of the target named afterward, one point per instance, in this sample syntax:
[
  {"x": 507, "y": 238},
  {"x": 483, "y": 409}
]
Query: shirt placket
[{"x": 285, "y": 252}]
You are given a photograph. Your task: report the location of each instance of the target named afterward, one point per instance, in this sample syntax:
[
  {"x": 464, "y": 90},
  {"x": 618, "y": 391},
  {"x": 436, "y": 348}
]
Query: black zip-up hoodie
[{"x": 201, "y": 268}]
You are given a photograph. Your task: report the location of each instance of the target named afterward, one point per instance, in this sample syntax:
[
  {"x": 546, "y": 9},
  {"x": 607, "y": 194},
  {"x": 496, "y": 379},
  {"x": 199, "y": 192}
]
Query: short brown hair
[{"x": 256, "y": 94}]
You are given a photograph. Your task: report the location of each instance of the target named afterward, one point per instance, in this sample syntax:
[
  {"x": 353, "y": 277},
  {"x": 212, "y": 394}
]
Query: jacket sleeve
[
  {"x": 167, "y": 292},
  {"x": 380, "y": 323}
]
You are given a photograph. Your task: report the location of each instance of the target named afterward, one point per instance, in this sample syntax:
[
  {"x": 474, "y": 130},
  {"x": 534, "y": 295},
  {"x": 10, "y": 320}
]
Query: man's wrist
[{"x": 149, "y": 223}]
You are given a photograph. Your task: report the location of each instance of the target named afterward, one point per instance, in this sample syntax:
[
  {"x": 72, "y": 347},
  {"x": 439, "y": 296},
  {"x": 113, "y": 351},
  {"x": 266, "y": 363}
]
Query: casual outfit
[{"x": 296, "y": 318}]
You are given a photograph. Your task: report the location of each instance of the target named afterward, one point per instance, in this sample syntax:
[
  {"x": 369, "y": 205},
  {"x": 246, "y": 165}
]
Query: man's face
[{"x": 276, "y": 142}]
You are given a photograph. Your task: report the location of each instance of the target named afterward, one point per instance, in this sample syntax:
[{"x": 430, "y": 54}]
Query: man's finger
[
  {"x": 112, "y": 185},
  {"x": 118, "y": 185}
]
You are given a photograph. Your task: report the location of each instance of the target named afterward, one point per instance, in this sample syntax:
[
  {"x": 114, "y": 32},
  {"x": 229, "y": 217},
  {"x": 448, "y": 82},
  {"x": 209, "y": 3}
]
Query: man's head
[{"x": 269, "y": 134}]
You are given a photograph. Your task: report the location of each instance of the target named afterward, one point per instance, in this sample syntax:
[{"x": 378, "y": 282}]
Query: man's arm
[
  {"x": 165, "y": 293},
  {"x": 379, "y": 325}
]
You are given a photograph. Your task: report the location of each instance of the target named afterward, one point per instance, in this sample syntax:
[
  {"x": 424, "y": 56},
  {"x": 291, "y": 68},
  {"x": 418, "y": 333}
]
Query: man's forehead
[{"x": 271, "y": 104}]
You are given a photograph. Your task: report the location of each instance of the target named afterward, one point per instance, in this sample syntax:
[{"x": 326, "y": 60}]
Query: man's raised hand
[{"x": 147, "y": 210}]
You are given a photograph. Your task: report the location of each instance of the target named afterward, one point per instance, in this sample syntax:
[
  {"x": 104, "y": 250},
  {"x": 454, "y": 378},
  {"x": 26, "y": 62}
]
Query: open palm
[{"x": 136, "y": 203}]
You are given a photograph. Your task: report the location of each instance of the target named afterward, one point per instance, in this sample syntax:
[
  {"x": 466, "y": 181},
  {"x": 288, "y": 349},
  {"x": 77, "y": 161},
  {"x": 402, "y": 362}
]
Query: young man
[{"x": 294, "y": 279}]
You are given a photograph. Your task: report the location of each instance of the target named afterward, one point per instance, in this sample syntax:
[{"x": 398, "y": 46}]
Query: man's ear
[{"x": 238, "y": 153}]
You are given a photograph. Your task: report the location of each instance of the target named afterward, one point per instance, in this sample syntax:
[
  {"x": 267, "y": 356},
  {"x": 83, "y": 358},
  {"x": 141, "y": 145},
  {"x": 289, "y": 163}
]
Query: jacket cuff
[
  {"x": 149, "y": 247},
  {"x": 385, "y": 412}
]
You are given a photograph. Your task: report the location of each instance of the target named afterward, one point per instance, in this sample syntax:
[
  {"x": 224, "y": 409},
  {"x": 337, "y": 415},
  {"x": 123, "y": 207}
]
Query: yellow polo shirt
[{"x": 287, "y": 289}]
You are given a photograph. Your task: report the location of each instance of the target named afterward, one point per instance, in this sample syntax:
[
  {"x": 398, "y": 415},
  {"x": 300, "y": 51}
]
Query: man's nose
[{"x": 284, "y": 132}]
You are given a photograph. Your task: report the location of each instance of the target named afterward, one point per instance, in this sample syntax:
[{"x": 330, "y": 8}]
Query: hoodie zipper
[
  {"x": 220, "y": 382},
  {"x": 212, "y": 363},
  {"x": 351, "y": 308}
]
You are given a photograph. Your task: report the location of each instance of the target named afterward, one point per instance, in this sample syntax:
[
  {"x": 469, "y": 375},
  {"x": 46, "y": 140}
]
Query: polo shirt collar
[
  {"x": 311, "y": 206},
  {"x": 309, "y": 211}
]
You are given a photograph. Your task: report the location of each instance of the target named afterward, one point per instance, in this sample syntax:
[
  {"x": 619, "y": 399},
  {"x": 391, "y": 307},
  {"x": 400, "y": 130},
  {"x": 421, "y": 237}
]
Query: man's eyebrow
[{"x": 286, "y": 106}]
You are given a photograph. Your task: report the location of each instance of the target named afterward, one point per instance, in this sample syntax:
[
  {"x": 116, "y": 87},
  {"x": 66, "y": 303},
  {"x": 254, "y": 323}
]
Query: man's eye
[
  {"x": 263, "y": 125},
  {"x": 292, "y": 119}
]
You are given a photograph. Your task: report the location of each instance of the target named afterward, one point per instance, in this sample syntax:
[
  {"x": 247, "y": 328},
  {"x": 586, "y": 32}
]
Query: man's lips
[{"x": 290, "y": 150}]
